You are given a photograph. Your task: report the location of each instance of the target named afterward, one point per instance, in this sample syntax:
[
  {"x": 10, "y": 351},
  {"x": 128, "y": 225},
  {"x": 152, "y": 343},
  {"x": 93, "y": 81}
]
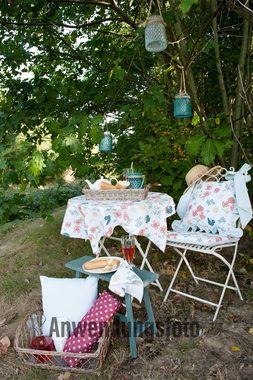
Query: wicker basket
[
  {"x": 117, "y": 195},
  {"x": 89, "y": 362}
]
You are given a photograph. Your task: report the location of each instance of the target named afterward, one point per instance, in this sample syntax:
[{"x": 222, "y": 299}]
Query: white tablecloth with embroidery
[{"x": 91, "y": 220}]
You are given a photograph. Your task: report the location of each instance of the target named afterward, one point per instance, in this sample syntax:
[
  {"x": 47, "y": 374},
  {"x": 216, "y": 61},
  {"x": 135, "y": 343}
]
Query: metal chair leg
[{"x": 174, "y": 276}]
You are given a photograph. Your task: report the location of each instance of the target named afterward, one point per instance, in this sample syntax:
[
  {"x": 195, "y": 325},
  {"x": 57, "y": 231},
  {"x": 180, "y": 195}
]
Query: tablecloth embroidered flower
[{"x": 92, "y": 219}]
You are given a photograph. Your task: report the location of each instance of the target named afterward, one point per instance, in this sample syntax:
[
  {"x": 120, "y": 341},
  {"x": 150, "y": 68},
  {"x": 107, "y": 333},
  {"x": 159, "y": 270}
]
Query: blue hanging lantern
[
  {"x": 155, "y": 34},
  {"x": 182, "y": 106},
  {"x": 105, "y": 144}
]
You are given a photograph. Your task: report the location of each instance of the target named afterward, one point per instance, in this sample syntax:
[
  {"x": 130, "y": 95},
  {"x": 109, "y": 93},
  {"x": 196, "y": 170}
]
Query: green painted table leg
[
  {"x": 151, "y": 317},
  {"x": 135, "y": 328},
  {"x": 130, "y": 323}
]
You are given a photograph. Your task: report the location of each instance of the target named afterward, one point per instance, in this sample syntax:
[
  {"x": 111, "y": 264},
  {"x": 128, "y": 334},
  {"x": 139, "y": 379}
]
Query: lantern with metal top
[
  {"x": 182, "y": 106},
  {"x": 155, "y": 32},
  {"x": 105, "y": 144}
]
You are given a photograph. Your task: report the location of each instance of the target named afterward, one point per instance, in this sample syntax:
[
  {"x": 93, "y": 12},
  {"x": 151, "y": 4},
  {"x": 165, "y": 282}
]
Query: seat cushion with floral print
[
  {"x": 212, "y": 209},
  {"x": 199, "y": 238}
]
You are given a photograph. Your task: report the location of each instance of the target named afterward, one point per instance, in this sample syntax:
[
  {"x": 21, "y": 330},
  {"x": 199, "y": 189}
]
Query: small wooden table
[{"x": 135, "y": 328}]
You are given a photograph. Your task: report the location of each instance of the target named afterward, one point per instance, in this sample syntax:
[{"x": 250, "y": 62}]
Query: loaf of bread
[
  {"x": 103, "y": 264},
  {"x": 107, "y": 186},
  {"x": 95, "y": 264}
]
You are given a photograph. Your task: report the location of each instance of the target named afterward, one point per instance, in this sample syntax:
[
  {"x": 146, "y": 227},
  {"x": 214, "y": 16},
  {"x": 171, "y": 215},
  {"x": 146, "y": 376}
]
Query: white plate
[{"x": 98, "y": 270}]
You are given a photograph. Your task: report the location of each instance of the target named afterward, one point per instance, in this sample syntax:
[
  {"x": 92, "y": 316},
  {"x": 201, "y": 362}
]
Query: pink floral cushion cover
[
  {"x": 199, "y": 238},
  {"x": 89, "y": 330},
  {"x": 212, "y": 209}
]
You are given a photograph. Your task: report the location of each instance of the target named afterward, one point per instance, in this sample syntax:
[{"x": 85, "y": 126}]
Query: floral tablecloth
[{"x": 91, "y": 220}]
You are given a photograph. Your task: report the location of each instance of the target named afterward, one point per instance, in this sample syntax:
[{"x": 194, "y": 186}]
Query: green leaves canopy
[{"x": 68, "y": 68}]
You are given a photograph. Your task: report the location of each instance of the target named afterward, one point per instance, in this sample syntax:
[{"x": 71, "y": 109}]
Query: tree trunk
[
  {"x": 218, "y": 62},
  {"x": 237, "y": 114}
]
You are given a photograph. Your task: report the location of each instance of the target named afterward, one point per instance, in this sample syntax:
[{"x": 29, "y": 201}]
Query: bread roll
[
  {"x": 95, "y": 264},
  {"x": 102, "y": 264},
  {"x": 114, "y": 262},
  {"x": 119, "y": 187},
  {"x": 107, "y": 186}
]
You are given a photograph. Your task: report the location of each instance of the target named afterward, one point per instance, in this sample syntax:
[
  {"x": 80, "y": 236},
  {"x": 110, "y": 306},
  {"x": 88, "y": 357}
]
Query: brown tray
[{"x": 117, "y": 195}]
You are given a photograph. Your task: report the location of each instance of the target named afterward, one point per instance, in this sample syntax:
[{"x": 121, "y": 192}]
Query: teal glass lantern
[
  {"x": 182, "y": 107},
  {"x": 155, "y": 34},
  {"x": 105, "y": 144}
]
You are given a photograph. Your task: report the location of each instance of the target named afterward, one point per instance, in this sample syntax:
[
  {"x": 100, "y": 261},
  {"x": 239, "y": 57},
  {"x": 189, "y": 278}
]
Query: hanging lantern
[
  {"x": 105, "y": 144},
  {"x": 182, "y": 106},
  {"x": 155, "y": 34}
]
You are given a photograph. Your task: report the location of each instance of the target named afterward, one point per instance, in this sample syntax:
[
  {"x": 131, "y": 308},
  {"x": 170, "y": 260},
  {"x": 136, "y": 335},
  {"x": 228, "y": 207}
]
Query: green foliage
[
  {"x": 211, "y": 146},
  {"x": 16, "y": 204},
  {"x": 83, "y": 77},
  {"x": 36, "y": 164},
  {"x": 187, "y": 4}
]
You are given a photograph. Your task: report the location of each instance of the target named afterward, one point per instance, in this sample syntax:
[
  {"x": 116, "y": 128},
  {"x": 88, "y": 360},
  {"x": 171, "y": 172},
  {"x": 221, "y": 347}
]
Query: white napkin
[
  {"x": 126, "y": 281},
  {"x": 61, "y": 333}
]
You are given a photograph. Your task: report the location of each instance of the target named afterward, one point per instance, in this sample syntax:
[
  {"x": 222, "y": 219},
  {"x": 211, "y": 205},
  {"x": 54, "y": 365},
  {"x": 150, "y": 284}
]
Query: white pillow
[{"x": 66, "y": 298}]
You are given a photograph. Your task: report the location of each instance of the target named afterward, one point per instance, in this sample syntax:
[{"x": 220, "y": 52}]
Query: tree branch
[
  {"x": 200, "y": 36},
  {"x": 69, "y": 46},
  {"x": 40, "y": 23},
  {"x": 218, "y": 61},
  {"x": 109, "y": 4},
  {"x": 238, "y": 100},
  {"x": 102, "y": 3},
  {"x": 182, "y": 51},
  {"x": 124, "y": 16}
]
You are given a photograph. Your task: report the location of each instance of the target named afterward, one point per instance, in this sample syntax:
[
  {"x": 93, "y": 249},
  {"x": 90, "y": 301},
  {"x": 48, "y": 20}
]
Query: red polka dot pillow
[{"x": 89, "y": 330}]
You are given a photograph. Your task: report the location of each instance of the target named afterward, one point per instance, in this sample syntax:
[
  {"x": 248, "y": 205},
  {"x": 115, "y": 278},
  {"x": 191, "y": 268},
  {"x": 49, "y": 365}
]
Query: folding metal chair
[{"x": 212, "y": 244}]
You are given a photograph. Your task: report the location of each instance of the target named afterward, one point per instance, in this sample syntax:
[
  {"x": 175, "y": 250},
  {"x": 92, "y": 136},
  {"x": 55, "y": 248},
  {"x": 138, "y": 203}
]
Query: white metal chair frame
[{"x": 183, "y": 248}]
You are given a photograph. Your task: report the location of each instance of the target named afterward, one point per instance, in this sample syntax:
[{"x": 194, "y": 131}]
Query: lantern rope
[
  {"x": 158, "y": 5},
  {"x": 182, "y": 82}
]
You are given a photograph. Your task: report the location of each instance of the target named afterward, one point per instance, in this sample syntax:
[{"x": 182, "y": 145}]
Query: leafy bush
[{"x": 16, "y": 204}]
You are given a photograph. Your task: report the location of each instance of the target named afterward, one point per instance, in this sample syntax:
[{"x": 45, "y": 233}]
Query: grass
[
  {"x": 30, "y": 249},
  {"x": 49, "y": 375},
  {"x": 41, "y": 250},
  {"x": 186, "y": 345}
]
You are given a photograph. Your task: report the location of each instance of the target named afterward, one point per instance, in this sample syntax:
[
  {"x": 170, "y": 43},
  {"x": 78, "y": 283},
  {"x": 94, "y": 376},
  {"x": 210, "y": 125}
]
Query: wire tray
[
  {"x": 89, "y": 362},
  {"x": 117, "y": 195}
]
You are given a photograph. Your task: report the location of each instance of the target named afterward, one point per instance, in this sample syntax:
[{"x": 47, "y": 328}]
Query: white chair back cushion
[{"x": 212, "y": 209}]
